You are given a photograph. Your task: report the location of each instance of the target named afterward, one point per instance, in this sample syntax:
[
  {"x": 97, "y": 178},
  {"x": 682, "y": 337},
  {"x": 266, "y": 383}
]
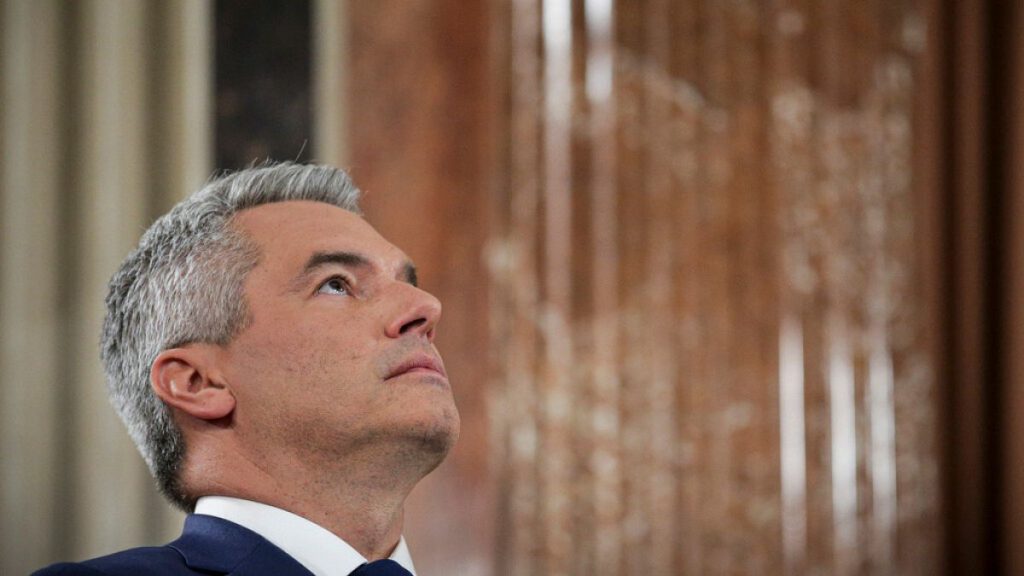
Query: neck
[{"x": 361, "y": 501}]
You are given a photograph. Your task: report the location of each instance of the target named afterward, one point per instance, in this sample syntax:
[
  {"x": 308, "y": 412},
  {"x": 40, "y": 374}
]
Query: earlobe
[{"x": 184, "y": 379}]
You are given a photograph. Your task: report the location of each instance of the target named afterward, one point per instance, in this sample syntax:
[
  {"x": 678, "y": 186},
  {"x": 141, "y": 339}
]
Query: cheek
[{"x": 317, "y": 357}]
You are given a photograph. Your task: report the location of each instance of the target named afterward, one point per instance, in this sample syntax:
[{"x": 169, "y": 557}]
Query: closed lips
[{"x": 418, "y": 363}]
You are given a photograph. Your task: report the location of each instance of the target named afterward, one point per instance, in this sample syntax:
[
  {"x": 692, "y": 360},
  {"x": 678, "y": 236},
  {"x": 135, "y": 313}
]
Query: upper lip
[{"x": 418, "y": 361}]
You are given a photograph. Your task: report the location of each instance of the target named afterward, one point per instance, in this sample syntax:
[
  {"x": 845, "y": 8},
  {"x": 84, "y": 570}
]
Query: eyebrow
[{"x": 350, "y": 259}]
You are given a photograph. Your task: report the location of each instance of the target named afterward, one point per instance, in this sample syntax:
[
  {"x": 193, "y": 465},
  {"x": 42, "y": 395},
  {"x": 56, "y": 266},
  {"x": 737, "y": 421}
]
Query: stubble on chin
[{"x": 439, "y": 438}]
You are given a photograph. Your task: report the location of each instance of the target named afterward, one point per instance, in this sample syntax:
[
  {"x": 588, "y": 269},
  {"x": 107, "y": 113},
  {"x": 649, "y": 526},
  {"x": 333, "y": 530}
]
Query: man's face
[{"x": 339, "y": 354}]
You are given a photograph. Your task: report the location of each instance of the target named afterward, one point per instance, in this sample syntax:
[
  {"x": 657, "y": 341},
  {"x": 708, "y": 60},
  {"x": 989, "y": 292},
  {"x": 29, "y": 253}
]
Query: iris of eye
[{"x": 334, "y": 286}]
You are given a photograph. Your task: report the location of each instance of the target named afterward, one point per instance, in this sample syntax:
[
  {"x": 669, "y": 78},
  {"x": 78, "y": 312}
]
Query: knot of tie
[{"x": 381, "y": 568}]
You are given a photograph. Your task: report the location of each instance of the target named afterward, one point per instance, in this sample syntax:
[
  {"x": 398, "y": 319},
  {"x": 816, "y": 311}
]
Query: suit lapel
[{"x": 217, "y": 545}]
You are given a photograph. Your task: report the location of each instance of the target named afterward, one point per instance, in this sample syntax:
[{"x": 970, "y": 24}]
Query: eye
[{"x": 334, "y": 285}]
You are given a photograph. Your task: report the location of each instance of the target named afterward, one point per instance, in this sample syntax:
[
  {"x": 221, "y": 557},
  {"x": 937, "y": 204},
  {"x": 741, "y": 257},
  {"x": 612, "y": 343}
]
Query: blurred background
[{"x": 730, "y": 286}]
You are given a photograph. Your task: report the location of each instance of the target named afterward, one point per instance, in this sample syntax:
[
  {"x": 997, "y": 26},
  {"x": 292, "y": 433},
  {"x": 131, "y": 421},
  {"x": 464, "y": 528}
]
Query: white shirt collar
[{"x": 313, "y": 546}]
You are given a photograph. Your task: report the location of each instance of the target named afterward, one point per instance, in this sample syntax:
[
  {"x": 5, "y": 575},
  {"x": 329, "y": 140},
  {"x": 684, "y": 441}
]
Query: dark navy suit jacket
[{"x": 208, "y": 545}]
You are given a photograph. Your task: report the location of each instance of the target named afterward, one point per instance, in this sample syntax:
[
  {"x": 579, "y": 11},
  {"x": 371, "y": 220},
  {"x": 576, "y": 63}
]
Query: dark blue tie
[{"x": 381, "y": 568}]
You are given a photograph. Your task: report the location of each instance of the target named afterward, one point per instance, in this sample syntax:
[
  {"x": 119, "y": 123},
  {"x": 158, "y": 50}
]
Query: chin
[
  {"x": 442, "y": 433},
  {"x": 431, "y": 441}
]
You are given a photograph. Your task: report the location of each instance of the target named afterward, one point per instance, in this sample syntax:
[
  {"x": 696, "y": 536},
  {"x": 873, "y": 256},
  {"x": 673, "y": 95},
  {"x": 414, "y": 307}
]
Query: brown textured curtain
[{"x": 708, "y": 281}]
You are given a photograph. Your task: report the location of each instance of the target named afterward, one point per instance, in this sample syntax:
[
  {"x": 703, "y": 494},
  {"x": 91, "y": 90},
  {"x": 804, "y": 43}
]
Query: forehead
[{"x": 288, "y": 232}]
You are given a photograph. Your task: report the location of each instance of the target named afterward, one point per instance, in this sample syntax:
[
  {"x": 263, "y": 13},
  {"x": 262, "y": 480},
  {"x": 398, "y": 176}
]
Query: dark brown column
[{"x": 1011, "y": 304}]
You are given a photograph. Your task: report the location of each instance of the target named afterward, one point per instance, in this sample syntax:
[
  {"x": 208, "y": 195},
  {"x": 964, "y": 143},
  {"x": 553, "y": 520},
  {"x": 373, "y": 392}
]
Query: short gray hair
[{"x": 184, "y": 284}]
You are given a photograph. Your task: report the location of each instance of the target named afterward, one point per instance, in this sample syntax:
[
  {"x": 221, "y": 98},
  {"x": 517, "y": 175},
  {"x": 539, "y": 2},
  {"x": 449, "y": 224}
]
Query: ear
[{"x": 186, "y": 379}]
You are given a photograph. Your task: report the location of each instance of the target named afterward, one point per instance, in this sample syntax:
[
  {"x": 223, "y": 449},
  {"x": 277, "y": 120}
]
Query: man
[{"x": 273, "y": 360}]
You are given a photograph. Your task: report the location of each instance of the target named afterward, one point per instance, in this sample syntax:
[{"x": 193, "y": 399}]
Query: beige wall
[{"x": 105, "y": 122}]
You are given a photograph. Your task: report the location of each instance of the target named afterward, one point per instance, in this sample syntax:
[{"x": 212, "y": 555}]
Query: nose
[{"x": 418, "y": 312}]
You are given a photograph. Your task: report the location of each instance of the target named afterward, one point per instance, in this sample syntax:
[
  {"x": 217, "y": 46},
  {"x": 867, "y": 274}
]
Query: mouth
[{"x": 423, "y": 364}]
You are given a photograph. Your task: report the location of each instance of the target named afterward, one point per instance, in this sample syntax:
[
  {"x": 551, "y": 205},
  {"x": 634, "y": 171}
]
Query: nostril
[{"x": 412, "y": 325}]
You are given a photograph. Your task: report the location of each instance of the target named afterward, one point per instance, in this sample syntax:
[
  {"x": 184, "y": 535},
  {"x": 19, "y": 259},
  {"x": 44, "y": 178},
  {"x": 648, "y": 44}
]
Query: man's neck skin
[{"x": 359, "y": 498}]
